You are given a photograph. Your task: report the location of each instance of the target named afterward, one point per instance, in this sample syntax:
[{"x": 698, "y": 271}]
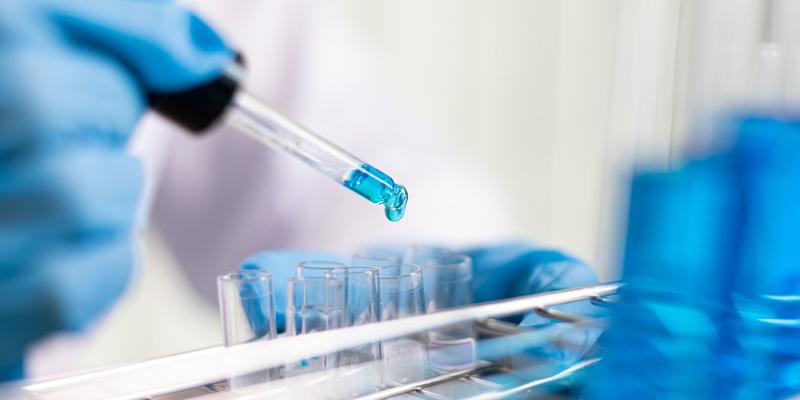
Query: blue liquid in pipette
[{"x": 379, "y": 188}]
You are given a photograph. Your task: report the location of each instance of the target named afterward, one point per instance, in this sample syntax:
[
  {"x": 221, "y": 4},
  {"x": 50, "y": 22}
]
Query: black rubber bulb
[{"x": 198, "y": 108}]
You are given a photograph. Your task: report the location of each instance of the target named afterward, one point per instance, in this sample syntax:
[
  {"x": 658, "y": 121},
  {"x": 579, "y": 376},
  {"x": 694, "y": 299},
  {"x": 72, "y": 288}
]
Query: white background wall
[
  {"x": 560, "y": 99},
  {"x": 536, "y": 90}
]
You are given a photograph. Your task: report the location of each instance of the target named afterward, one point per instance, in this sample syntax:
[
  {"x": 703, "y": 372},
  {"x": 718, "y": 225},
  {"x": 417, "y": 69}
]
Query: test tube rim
[
  {"x": 348, "y": 270},
  {"x": 314, "y": 278},
  {"x": 394, "y": 259},
  {"x": 462, "y": 259},
  {"x": 305, "y": 265},
  {"x": 417, "y": 254},
  {"x": 415, "y": 270},
  {"x": 258, "y": 275}
]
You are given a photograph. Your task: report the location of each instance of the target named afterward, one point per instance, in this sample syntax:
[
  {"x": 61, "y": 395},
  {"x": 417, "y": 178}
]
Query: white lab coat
[{"x": 217, "y": 199}]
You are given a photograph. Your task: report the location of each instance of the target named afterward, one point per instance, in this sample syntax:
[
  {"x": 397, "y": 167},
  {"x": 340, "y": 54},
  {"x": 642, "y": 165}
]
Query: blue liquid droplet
[
  {"x": 377, "y": 187},
  {"x": 395, "y": 208}
]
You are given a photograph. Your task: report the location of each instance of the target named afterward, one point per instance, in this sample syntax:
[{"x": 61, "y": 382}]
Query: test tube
[
  {"x": 401, "y": 291},
  {"x": 375, "y": 259},
  {"x": 415, "y": 253},
  {"x": 358, "y": 371},
  {"x": 448, "y": 283},
  {"x": 247, "y": 311},
  {"x": 314, "y": 304},
  {"x": 378, "y": 257},
  {"x": 405, "y": 359},
  {"x": 316, "y": 269},
  {"x": 448, "y": 276},
  {"x": 360, "y": 291}
]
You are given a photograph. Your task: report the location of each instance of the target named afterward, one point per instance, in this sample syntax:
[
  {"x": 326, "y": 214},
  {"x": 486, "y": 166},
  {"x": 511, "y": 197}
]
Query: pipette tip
[{"x": 395, "y": 207}]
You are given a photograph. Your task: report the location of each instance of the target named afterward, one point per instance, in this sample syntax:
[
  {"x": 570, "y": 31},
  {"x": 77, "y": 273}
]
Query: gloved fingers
[
  {"x": 11, "y": 369},
  {"x": 106, "y": 200},
  {"x": 77, "y": 72},
  {"x": 66, "y": 288},
  {"x": 54, "y": 99},
  {"x": 282, "y": 264},
  {"x": 84, "y": 280},
  {"x": 24, "y": 316},
  {"x": 516, "y": 269},
  {"x": 90, "y": 189},
  {"x": 167, "y": 47},
  {"x": 558, "y": 347},
  {"x": 559, "y": 271},
  {"x": 569, "y": 341},
  {"x": 579, "y": 309},
  {"x": 80, "y": 198}
]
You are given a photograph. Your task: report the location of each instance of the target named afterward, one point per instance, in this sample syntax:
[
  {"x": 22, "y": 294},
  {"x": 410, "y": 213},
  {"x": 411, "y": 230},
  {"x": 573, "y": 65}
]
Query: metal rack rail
[{"x": 199, "y": 374}]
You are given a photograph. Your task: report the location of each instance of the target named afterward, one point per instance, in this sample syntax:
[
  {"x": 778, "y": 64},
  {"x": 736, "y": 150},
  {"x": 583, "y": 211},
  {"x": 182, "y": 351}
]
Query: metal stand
[{"x": 199, "y": 374}]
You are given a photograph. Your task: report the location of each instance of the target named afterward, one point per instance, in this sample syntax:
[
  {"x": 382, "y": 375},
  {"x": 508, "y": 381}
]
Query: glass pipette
[
  {"x": 274, "y": 129},
  {"x": 201, "y": 107}
]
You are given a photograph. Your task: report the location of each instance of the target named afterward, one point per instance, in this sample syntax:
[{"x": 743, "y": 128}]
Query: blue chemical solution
[{"x": 377, "y": 187}]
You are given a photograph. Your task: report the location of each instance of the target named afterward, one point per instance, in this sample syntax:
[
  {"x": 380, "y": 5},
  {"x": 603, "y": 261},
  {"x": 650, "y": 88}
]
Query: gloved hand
[
  {"x": 499, "y": 271},
  {"x": 73, "y": 82},
  {"x": 518, "y": 269}
]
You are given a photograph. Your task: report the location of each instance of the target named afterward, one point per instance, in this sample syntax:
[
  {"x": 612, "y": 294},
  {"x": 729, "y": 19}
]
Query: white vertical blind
[{"x": 640, "y": 116}]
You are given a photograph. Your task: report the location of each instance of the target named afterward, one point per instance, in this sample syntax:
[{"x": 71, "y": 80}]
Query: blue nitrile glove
[
  {"x": 518, "y": 269},
  {"x": 73, "y": 82}
]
